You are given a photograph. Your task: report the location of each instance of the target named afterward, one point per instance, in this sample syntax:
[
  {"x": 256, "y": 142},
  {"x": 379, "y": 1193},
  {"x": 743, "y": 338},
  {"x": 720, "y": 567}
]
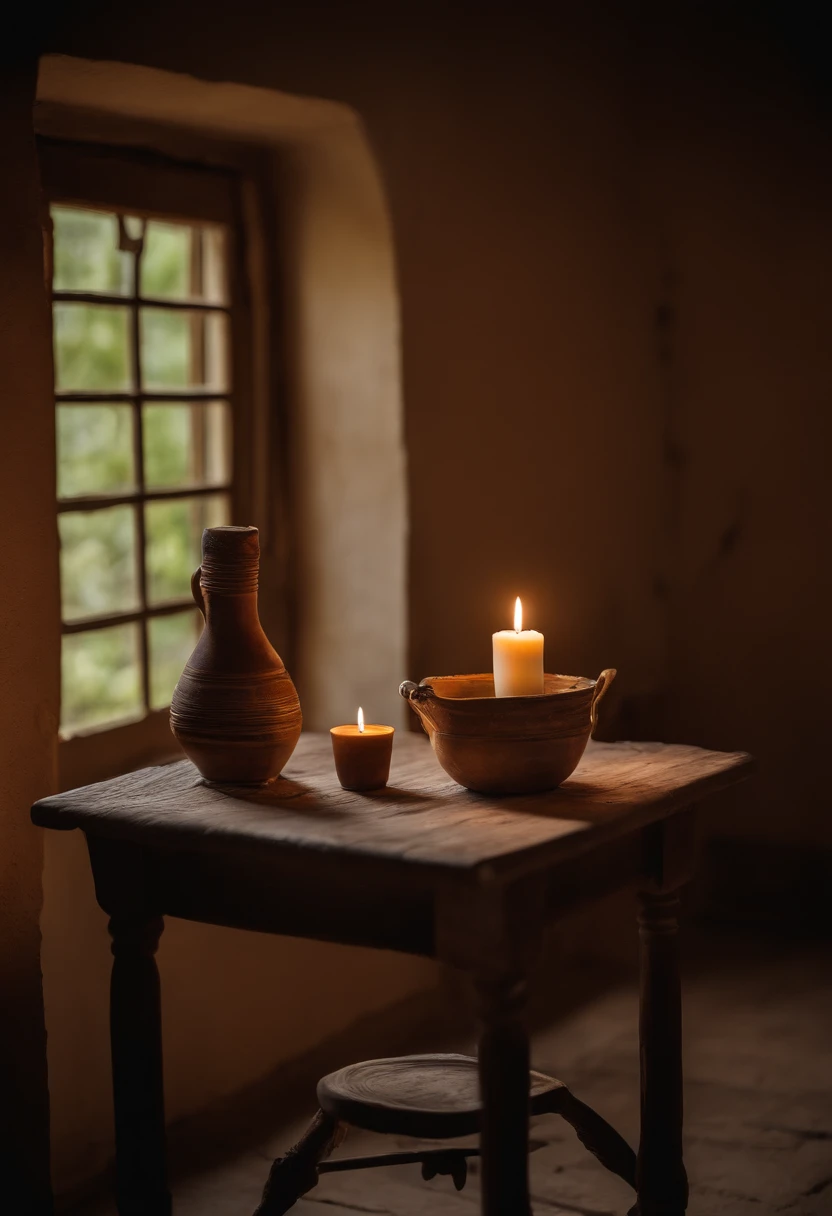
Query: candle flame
[
  {"x": 360, "y": 720},
  {"x": 518, "y": 615}
]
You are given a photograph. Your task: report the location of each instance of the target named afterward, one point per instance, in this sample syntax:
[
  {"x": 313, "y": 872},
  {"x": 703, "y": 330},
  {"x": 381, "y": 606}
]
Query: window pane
[
  {"x": 92, "y": 347},
  {"x": 174, "y": 540},
  {"x": 98, "y": 562},
  {"x": 171, "y": 638},
  {"x": 86, "y": 252},
  {"x": 187, "y": 444},
  {"x": 183, "y": 349},
  {"x": 184, "y": 261},
  {"x": 167, "y": 260},
  {"x": 95, "y": 449},
  {"x": 100, "y": 677}
]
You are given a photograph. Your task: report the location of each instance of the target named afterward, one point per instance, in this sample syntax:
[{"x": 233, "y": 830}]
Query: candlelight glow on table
[
  {"x": 518, "y": 659},
  {"x": 362, "y": 753}
]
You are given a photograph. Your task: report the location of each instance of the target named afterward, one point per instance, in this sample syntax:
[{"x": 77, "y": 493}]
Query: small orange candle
[{"x": 362, "y": 754}]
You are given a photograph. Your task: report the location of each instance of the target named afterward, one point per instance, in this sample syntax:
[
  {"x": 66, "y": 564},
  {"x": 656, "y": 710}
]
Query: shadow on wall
[{"x": 236, "y": 1005}]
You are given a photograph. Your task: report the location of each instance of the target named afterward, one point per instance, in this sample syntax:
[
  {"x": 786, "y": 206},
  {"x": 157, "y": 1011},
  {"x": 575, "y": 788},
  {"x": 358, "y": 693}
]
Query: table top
[{"x": 422, "y": 820}]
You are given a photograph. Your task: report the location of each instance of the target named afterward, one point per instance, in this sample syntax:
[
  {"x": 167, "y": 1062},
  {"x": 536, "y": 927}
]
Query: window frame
[{"x": 155, "y": 185}]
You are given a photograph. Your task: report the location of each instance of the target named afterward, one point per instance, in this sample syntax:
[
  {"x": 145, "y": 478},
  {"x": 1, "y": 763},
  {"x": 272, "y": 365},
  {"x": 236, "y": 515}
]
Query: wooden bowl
[{"x": 507, "y": 745}]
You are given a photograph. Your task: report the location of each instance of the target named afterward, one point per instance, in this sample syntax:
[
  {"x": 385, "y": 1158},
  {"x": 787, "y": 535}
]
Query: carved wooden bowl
[{"x": 507, "y": 745}]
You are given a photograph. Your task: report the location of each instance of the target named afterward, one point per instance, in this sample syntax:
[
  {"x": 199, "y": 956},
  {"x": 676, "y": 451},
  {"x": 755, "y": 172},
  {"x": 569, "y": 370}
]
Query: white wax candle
[{"x": 518, "y": 659}]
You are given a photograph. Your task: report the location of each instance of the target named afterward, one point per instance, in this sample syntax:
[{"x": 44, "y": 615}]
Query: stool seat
[
  {"x": 435, "y": 1097},
  {"x": 432, "y": 1097}
]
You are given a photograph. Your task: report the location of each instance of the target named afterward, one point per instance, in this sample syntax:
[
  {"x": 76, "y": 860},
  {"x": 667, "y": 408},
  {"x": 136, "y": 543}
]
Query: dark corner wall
[{"x": 28, "y": 648}]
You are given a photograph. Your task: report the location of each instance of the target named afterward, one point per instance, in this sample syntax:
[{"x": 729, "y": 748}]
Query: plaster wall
[{"x": 348, "y": 466}]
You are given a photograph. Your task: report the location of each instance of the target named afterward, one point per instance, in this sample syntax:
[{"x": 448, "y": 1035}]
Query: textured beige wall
[
  {"x": 528, "y": 279},
  {"x": 28, "y": 648},
  {"x": 348, "y": 469}
]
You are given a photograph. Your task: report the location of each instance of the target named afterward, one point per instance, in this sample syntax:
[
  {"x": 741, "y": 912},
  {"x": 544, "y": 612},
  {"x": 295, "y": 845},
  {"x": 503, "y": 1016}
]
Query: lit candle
[
  {"x": 362, "y": 754},
  {"x": 518, "y": 659}
]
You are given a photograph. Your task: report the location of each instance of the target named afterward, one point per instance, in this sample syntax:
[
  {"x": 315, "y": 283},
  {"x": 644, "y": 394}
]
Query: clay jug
[{"x": 234, "y": 710}]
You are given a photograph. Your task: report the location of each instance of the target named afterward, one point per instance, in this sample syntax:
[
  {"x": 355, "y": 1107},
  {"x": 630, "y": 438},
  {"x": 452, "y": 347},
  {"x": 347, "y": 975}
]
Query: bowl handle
[
  {"x": 419, "y": 697},
  {"x": 601, "y": 685},
  {"x": 415, "y": 692}
]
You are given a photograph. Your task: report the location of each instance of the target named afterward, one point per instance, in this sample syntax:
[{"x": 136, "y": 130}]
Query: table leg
[
  {"x": 504, "y": 1085},
  {"x": 661, "y": 1181},
  {"x": 136, "y": 1042}
]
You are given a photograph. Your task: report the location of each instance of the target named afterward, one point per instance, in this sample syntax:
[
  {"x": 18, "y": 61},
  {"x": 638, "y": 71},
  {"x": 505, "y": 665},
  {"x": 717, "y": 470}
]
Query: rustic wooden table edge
[{"x": 614, "y": 819}]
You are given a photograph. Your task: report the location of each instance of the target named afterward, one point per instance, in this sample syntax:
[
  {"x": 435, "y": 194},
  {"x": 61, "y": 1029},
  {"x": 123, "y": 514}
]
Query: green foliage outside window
[{"x": 95, "y": 442}]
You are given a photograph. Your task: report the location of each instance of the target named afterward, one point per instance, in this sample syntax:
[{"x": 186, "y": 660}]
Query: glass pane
[
  {"x": 92, "y": 347},
  {"x": 95, "y": 449},
  {"x": 183, "y": 261},
  {"x": 100, "y": 677},
  {"x": 98, "y": 562},
  {"x": 167, "y": 261},
  {"x": 171, "y": 638},
  {"x": 174, "y": 540},
  {"x": 86, "y": 252},
  {"x": 187, "y": 444},
  {"x": 182, "y": 349}
]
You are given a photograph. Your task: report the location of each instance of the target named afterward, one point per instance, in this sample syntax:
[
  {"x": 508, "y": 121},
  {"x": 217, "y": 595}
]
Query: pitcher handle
[
  {"x": 601, "y": 685},
  {"x": 196, "y": 589}
]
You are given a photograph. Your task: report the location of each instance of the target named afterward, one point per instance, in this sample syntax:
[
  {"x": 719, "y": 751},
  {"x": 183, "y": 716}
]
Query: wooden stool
[{"x": 431, "y": 1097}]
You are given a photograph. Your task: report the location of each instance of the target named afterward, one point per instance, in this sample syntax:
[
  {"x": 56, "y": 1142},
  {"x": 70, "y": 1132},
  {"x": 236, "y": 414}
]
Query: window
[{"x": 150, "y": 358}]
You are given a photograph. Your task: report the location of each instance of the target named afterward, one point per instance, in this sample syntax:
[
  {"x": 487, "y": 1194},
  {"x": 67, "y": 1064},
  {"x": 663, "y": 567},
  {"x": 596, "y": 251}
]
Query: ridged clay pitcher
[{"x": 235, "y": 710}]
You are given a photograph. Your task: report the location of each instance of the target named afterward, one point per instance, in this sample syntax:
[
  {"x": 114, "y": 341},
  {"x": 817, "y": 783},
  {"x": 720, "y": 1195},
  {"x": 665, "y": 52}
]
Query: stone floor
[{"x": 758, "y": 1030}]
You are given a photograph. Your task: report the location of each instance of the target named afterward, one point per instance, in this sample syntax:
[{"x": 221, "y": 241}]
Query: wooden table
[{"x": 424, "y": 867}]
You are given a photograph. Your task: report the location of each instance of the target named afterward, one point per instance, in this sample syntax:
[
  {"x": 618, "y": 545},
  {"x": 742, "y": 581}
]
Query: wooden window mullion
[
  {"x": 119, "y": 396},
  {"x": 138, "y": 464},
  {"x": 102, "y": 298},
  {"x": 100, "y": 502},
  {"x": 93, "y": 623}
]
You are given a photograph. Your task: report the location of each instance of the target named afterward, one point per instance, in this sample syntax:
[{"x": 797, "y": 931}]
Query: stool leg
[
  {"x": 504, "y": 1085},
  {"x": 296, "y": 1173},
  {"x": 661, "y": 1181},
  {"x": 136, "y": 1043},
  {"x": 600, "y": 1137}
]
